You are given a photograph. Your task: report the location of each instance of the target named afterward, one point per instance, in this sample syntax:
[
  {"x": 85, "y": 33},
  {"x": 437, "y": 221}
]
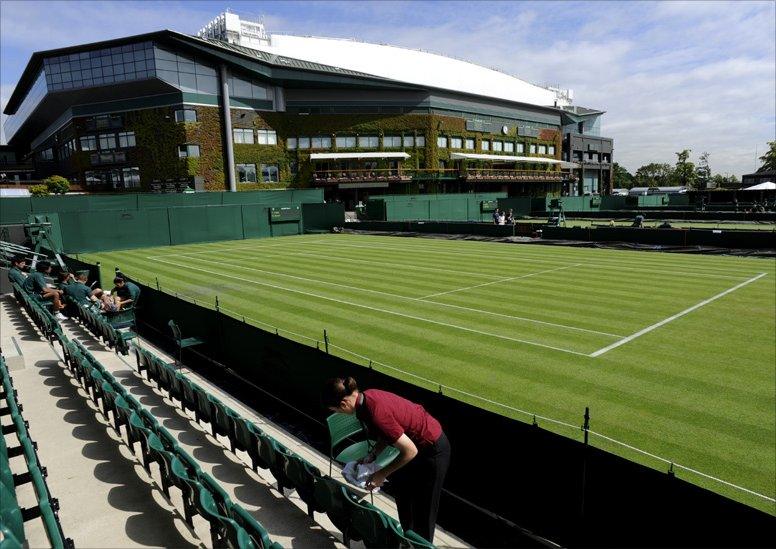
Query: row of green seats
[
  {"x": 97, "y": 323},
  {"x": 12, "y": 515},
  {"x": 230, "y": 524},
  {"x": 39, "y": 314},
  {"x": 357, "y": 520}
]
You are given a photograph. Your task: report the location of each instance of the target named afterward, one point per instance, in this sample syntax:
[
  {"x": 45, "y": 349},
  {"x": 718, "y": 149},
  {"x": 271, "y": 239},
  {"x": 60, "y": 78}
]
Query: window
[
  {"x": 246, "y": 173},
  {"x": 321, "y": 142},
  {"x": 267, "y": 137},
  {"x": 520, "y": 148},
  {"x": 532, "y": 148},
  {"x": 408, "y": 141},
  {"x": 107, "y": 141},
  {"x": 469, "y": 144},
  {"x": 391, "y": 142},
  {"x": 188, "y": 151},
  {"x": 456, "y": 143},
  {"x": 304, "y": 142},
  {"x": 243, "y": 135},
  {"x": 542, "y": 149},
  {"x": 291, "y": 143},
  {"x": 551, "y": 150},
  {"x": 94, "y": 178},
  {"x": 186, "y": 115},
  {"x": 485, "y": 145},
  {"x": 126, "y": 139},
  {"x": 420, "y": 141},
  {"x": 88, "y": 143},
  {"x": 269, "y": 173},
  {"x": 131, "y": 177},
  {"x": 47, "y": 154},
  {"x": 345, "y": 142},
  {"x": 605, "y": 158},
  {"x": 509, "y": 147},
  {"x": 592, "y": 156},
  {"x": 442, "y": 142},
  {"x": 368, "y": 141},
  {"x": 498, "y": 146}
]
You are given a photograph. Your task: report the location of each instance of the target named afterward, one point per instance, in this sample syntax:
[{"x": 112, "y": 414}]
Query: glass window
[
  {"x": 532, "y": 148},
  {"x": 409, "y": 141},
  {"x": 188, "y": 151},
  {"x": 509, "y": 147},
  {"x": 243, "y": 135},
  {"x": 126, "y": 139},
  {"x": 442, "y": 142},
  {"x": 345, "y": 142},
  {"x": 89, "y": 143},
  {"x": 368, "y": 141},
  {"x": 47, "y": 154},
  {"x": 542, "y": 149},
  {"x": 520, "y": 148},
  {"x": 94, "y": 178},
  {"x": 420, "y": 141},
  {"x": 551, "y": 150},
  {"x": 246, "y": 173},
  {"x": 207, "y": 84},
  {"x": 498, "y": 146},
  {"x": 291, "y": 143},
  {"x": 321, "y": 142},
  {"x": 267, "y": 137},
  {"x": 469, "y": 144},
  {"x": 485, "y": 145},
  {"x": 131, "y": 177},
  {"x": 391, "y": 142},
  {"x": 456, "y": 143},
  {"x": 269, "y": 173},
  {"x": 304, "y": 142},
  {"x": 186, "y": 115},
  {"x": 107, "y": 141},
  {"x": 187, "y": 82}
]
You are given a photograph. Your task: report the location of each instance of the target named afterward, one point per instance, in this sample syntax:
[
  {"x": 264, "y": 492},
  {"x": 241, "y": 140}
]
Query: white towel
[{"x": 358, "y": 474}]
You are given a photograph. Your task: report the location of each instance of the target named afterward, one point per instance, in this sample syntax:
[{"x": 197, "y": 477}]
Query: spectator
[
  {"x": 35, "y": 283},
  {"x": 496, "y": 215},
  {"x": 134, "y": 289},
  {"x": 79, "y": 291},
  {"x": 638, "y": 221},
  {"x": 16, "y": 272},
  {"x": 502, "y": 218},
  {"x": 122, "y": 292},
  {"x": 418, "y": 472},
  {"x": 64, "y": 278},
  {"x": 510, "y": 217}
]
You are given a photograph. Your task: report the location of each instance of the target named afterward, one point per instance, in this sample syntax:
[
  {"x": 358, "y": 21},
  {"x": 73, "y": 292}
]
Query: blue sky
[{"x": 671, "y": 75}]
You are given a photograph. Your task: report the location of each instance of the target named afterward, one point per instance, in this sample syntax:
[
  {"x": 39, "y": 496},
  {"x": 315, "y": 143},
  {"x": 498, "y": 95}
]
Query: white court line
[
  {"x": 216, "y": 250},
  {"x": 648, "y": 329},
  {"x": 352, "y": 304},
  {"x": 497, "y": 281},
  {"x": 421, "y": 299}
]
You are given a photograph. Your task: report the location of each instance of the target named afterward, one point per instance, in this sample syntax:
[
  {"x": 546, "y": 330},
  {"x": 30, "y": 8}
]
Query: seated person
[
  {"x": 35, "y": 283},
  {"x": 64, "y": 278},
  {"x": 639, "y": 221},
  {"x": 121, "y": 293},
  {"x": 16, "y": 272},
  {"x": 79, "y": 291},
  {"x": 109, "y": 303}
]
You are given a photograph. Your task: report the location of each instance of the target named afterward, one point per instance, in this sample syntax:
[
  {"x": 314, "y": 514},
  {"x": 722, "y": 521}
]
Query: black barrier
[
  {"x": 448, "y": 227},
  {"x": 673, "y": 215},
  {"x": 518, "y": 471},
  {"x": 323, "y": 217}
]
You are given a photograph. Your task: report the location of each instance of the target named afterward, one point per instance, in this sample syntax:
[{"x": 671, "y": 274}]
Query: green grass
[{"x": 518, "y": 328}]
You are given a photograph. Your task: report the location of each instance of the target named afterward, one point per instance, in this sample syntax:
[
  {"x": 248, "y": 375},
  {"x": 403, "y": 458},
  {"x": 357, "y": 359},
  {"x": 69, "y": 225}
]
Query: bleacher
[{"x": 163, "y": 456}]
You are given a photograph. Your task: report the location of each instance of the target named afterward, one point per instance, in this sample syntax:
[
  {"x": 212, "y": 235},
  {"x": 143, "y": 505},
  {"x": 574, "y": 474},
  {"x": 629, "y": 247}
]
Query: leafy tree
[
  {"x": 684, "y": 172},
  {"x": 769, "y": 158},
  {"x": 621, "y": 178},
  {"x": 703, "y": 171},
  {"x": 57, "y": 184},
  {"x": 39, "y": 190},
  {"x": 654, "y": 175},
  {"x": 720, "y": 181}
]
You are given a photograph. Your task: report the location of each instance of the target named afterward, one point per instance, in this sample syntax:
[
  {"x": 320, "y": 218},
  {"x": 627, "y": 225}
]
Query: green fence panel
[
  {"x": 679, "y": 199},
  {"x": 205, "y": 224},
  {"x": 172, "y": 200},
  {"x": 410, "y": 209},
  {"x": 273, "y": 197},
  {"x": 449, "y": 210},
  {"x": 14, "y": 210},
  {"x": 442, "y": 196},
  {"x": 286, "y": 228},
  {"x": 255, "y": 221},
  {"x": 613, "y": 202},
  {"x": 376, "y": 209},
  {"x": 59, "y": 203},
  {"x": 322, "y": 217},
  {"x": 114, "y": 230},
  {"x": 520, "y": 206},
  {"x": 112, "y": 202}
]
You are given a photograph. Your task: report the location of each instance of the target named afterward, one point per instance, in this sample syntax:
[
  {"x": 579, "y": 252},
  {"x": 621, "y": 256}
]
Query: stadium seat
[
  {"x": 370, "y": 523},
  {"x": 11, "y": 520},
  {"x": 302, "y": 477},
  {"x": 273, "y": 454},
  {"x": 345, "y": 426},
  {"x": 223, "y": 529},
  {"x": 246, "y": 438},
  {"x": 180, "y": 341},
  {"x": 330, "y": 498},
  {"x": 221, "y": 424},
  {"x": 258, "y": 534}
]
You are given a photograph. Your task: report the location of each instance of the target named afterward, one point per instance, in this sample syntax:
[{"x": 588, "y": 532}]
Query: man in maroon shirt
[{"x": 418, "y": 472}]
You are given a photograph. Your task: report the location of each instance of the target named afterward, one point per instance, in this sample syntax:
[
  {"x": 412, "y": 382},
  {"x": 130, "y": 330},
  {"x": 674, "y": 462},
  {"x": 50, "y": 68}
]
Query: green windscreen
[{"x": 285, "y": 213}]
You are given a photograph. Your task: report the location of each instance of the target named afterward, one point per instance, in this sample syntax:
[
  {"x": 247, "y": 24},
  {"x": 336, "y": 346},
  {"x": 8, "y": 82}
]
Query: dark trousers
[{"x": 418, "y": 486}]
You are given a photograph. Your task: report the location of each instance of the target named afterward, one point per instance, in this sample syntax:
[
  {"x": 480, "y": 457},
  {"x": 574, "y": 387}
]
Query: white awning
[
  {"x": 504, "y": 158},
  {"x": 357, "y": 155},
  {"x": 766, "y": 186}
]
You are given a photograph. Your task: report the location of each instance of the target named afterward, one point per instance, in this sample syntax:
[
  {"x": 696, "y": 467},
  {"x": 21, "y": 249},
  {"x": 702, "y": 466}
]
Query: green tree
[
  {"x": 727, "y": 181},
  {"x": 38, "y": 190},
  {"x": 57, "y": 184},
  {"x": 654, "y": 175},
  {"x": 769, "y": 158},
  {"x": 703, "y": 171},
  {"x": 684, "y": 171},
  {"x": 621, "y": 178}
]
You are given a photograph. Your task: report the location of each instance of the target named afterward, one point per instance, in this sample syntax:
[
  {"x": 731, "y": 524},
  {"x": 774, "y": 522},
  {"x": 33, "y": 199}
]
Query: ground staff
[{"x": 417, "y": 474}]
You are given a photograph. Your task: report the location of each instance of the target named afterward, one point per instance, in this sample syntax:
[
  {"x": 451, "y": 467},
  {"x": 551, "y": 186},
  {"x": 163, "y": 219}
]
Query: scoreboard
[{"x": 285, "y": 213}]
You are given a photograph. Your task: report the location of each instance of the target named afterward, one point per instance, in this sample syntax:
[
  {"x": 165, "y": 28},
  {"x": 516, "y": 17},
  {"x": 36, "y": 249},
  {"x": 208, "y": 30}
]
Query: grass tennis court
[{"x": 673, "y": 353}]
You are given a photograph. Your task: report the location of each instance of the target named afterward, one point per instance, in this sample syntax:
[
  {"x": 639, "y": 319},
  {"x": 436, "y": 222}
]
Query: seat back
[
  {"x": 258, "y": 534},
  {"x": 369, "y": 522},
  {"x": 342, "y": 426},
  {"x": 176, "y": 332}
]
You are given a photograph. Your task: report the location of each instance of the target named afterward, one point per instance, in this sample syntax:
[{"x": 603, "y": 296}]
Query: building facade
[
  {"x": 150, "y": 111},
  {"x": 588, "y": 152}
]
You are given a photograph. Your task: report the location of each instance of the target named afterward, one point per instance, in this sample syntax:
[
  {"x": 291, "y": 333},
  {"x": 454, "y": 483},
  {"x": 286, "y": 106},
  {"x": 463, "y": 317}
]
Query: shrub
[
  {"x": 39, "y": 190},
  {"x": 57, "y": 184}
]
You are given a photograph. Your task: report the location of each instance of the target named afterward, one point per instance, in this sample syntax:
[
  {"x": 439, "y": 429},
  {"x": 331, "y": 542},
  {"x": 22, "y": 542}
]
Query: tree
[
  {"x": 38, "y": 190},
  {"x": 57, "y": 184},
  {"x": 719, "y": 181},
  {"x": 621, "y": 178},
  {"x": 703, "y": 171},
  {"x": 769, "y": 158},
  {"x": 684, "y": 172},
  {"x": 654, "y": 175}
]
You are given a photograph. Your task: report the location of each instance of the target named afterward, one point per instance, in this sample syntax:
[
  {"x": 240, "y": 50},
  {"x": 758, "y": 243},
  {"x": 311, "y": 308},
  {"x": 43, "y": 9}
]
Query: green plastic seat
[
  {"x": 184, "y": 478},
  {"x": 330, "y": 498},
  {"x": 221, "y": 424},
  {"x": 140, "y": 432},
  {"x": 203, "y": 411},
  {"x": 370, "y": 523},
  {"x": 344, "y": 426},
  {"x": 11, "y": 519},
  {"x": 258, "y": 534},
  {"x": 302, "y": 477},
  {"x": 246, "y": 438},
  {"x": 223, "y": 530},
  {"x": 143, "y": 360},
  {"x": 158, "y": 453},
  {"x": 272, "y": 453}
]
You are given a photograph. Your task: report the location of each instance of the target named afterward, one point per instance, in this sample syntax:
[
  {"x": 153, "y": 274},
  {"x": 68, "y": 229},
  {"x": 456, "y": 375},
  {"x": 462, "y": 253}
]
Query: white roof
[
  {"x": 765, "y": 186},
  {"x": 411, "y": 66},
  {"x": 355, "y": 155},
  {"x": 504, "y": 158}
]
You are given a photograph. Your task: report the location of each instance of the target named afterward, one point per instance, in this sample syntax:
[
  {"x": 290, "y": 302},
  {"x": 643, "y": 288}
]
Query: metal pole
[
  {"x": 226, "y": 120},
  {"x": 217, "y": 309},
  {"x": 326, "y": 341},
  {"x": 157, "y": 282}
]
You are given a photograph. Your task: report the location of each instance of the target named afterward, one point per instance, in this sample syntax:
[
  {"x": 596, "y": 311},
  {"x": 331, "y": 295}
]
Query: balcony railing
[
  {"x": 353, "y": 176},
  {"x": 475, "y": 174}
]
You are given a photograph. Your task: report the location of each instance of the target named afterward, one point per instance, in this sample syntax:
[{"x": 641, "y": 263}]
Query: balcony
[
  {"x": 334, "y": 177},
  {"x": 477, "y": 174},
  {"x": 98, "y": 159}
]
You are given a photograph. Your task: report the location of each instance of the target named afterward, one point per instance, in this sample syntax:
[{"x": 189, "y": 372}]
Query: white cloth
[{"x": 358, "y": 474}]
